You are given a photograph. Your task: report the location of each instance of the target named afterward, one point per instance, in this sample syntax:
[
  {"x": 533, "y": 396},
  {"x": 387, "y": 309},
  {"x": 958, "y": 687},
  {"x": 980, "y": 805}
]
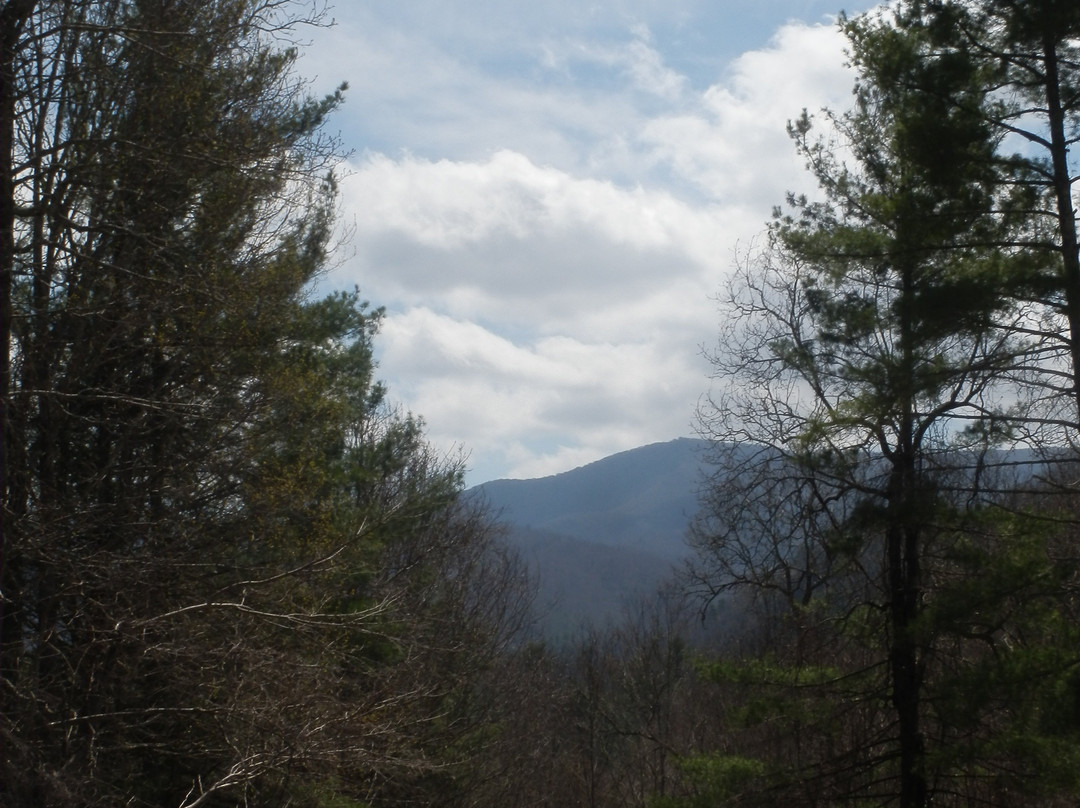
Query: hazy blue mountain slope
[
  {"x": 598, "y": 535},
  {"x": 582, "y": 583},
  {"x": 643, "y": 499}
]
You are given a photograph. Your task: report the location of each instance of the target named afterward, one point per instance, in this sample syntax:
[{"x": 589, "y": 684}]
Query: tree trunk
[
  {"x": 905, "y": 667},
  {"x": 903, "y": 558},
  {"x": 1066, "y": 213},
  {"x": 13, "y": 17}
]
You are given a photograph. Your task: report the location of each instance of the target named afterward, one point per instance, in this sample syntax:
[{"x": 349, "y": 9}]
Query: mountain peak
[{"x": 604, "y": 531}]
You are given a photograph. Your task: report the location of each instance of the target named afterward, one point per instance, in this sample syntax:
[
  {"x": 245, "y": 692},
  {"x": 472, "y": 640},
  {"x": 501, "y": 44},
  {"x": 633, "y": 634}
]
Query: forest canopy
[{"x": 233, "y": 574}]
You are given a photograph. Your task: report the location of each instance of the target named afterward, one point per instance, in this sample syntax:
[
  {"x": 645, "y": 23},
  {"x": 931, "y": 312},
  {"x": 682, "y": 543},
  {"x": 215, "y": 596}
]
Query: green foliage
[
  {"x": 878, "y": 349},
  {"x": 232, "y": 573},
  {"x": 767, "y": 671},
  {"x": 716, "y": 780}
]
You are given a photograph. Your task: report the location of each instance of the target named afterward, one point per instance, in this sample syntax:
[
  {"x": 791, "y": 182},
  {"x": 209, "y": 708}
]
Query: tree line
[
  {"x": 233, "y": 574},
  {"x": 902, "y": 355}
]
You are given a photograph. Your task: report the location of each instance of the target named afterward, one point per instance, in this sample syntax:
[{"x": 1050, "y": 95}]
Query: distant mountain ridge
[
  {"x": 604, "y": 532},
  {"x": 637, "y": 498},
  {"x": 616, "y": 528}
]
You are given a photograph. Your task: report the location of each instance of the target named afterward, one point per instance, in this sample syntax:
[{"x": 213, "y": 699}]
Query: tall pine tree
[{"x": 872, "y": 355}]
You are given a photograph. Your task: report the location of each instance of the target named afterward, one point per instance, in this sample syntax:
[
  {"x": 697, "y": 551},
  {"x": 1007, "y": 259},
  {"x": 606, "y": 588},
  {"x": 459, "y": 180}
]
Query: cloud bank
[{"x": 548, "y": 247}]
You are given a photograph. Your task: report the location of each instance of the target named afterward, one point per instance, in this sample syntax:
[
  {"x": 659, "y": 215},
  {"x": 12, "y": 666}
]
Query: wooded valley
[{"x": 234, "y": 575}]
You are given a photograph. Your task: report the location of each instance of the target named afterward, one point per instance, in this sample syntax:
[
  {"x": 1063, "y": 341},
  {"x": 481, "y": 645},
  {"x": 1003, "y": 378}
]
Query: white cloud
[
  {"x": 508, "y": 239},
  {"x": 637, "y": 60},
  {"x": 547, "y": 303},
  {"x": 447, "y": 204},
  {"x": 510, "y": 403},
  {"x": 735, "y": 145},
  {"x": 423, "y": 89},
  {"x": 646, "y": 66}
]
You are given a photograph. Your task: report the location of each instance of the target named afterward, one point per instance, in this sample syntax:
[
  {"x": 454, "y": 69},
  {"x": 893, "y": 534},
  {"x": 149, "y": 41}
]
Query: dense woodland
[{"x": 233, "y": 575}]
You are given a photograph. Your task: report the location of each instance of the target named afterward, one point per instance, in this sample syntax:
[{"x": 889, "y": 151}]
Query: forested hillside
[
  {"x": 643, "y": 498},
  {"x": 234, "y": 575},
  {"x": 600, "y": 537}
]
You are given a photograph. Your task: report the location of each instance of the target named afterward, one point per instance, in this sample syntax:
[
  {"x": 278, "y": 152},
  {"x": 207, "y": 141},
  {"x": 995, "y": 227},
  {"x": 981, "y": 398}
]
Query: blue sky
[{"x": 546, "y": 197}]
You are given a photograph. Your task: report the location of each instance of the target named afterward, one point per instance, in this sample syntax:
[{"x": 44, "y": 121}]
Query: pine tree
[
  {"x": 867, "y": 369},
  {"x": 1027, "y": 57},
  {"x": 232, "y": 573}
]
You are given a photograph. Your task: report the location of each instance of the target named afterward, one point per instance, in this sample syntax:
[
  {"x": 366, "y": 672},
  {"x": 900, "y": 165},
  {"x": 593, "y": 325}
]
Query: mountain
[
  {"x": 642, "y": 498},
  {"x": 601, "y": 533},
  {"x": 615, "y": 529}
]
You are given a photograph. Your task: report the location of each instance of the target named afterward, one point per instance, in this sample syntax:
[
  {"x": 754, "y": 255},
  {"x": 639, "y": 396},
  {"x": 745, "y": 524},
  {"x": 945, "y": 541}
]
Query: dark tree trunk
[
  {"x": 1066, "y": 213},
  {"x": 13, "y": 17},
  {"x": 903, "y": 559}
]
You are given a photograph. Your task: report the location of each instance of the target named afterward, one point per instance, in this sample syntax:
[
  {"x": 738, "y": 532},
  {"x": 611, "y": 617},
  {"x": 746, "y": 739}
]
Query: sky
[{"x": 547, "y": 196}]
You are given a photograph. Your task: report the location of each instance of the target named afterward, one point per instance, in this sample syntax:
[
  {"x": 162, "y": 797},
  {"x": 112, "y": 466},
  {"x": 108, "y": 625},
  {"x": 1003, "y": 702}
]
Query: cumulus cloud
[
  {"x": 515, "y": 400},
  {"x": 545, "y": 310},
  {"x": 734, "y": 146},
  {"x": 447, "y": 204},
  {"x": 526, "y": 229}
]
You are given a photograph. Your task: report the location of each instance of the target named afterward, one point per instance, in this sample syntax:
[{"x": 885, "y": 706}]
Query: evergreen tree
[
  {"x": 232, "y": 574},
  {"x": 1028, "y": 59},
  {"x": 871, "y": 357}
]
